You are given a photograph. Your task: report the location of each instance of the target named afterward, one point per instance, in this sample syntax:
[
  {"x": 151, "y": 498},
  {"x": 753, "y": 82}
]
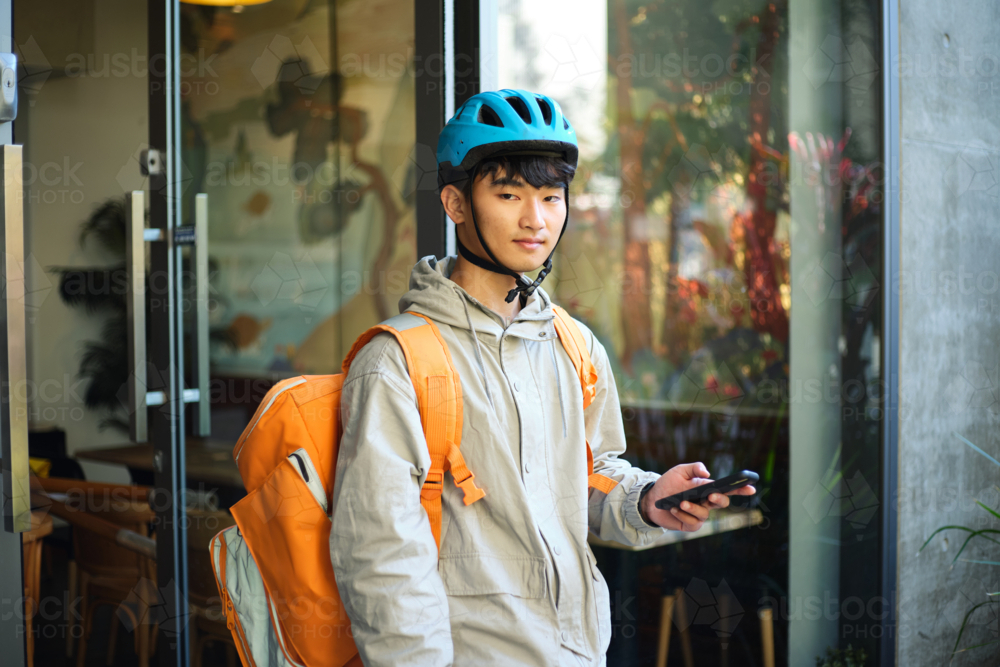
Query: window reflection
[
  {"x": 715, "y": 138},
  {"x": 298, "y": 129}
]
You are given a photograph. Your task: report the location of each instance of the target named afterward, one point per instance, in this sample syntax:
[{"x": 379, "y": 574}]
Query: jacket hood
[{"x": 434, "y": 294}]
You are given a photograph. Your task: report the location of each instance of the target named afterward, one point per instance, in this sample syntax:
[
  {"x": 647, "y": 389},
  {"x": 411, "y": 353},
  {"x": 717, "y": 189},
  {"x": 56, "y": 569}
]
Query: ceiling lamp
[{"x": 225, "y": 3}]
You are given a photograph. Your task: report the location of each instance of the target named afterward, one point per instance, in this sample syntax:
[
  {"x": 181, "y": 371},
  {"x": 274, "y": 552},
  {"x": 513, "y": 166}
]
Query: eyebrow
[
  {"x": 507, "y": 181},
  {"x": 518, "y": 183}
]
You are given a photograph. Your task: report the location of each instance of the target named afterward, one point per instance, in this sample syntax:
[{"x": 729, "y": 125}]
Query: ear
[{"x": 453, "y": 202}]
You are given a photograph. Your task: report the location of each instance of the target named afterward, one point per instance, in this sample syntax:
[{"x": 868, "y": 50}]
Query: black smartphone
[{"x": 701, "y": 492}]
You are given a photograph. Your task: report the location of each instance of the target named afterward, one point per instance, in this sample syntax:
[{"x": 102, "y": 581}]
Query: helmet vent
[
  {"x": 488, "y": 116},
  {"x": 520, "y": 107},
  {"x": 565, "y": 124},
  {"x": 546, "y": 110}
]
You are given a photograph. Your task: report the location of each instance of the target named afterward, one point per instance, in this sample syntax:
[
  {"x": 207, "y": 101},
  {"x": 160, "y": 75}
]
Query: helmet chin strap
[{"x": 524, "y": 287}]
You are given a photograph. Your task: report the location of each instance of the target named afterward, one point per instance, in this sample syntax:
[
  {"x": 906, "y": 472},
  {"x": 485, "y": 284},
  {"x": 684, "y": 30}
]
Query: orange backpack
[{"x": 273, "y": 567}]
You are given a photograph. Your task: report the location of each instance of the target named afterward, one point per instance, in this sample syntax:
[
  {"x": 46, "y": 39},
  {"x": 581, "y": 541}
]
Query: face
[{"x": 521, "y": 223}]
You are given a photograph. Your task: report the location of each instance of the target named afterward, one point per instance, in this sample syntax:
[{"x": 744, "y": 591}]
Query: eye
[
  {"x": 553, "y": 198},
  {"x": 504, "y": 195}
]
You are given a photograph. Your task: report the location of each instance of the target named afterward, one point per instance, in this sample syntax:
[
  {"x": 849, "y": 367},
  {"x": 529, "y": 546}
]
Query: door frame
[
  {"x": 166, "y": 424},
  {"x": 889, "y": 514},
  {"x": 12, "y": 637},
  {"x": 165, "y": 340}
]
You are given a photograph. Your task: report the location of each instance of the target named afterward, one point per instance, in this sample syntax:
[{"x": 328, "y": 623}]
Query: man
[{"x": 515, "y": 582}]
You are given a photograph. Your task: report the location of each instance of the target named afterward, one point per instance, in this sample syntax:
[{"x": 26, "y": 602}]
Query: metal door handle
[
  {"x": 13, "y": 353},
  {"x": 204, "y": 423},
  {"x": 135, "y": 268}
]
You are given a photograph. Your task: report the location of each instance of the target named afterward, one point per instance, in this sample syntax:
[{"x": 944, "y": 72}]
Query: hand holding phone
[{"x": 701, "y": 492}]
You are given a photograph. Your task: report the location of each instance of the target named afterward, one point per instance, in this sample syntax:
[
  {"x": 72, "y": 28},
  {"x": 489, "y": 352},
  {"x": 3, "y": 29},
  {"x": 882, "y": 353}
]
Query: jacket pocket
[
  {"x": 602, "y": 603},
  {"x": 485, "y": 574}
]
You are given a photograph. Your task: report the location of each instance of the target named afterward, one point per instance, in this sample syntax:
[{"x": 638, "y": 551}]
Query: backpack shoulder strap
[
  {"x": 439, "y": 397},
  {"x": 576, "y": 347}
]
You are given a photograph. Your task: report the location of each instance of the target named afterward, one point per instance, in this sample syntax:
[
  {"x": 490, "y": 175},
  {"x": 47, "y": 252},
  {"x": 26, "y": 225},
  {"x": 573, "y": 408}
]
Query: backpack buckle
[
  {"x": 468, "y": 486},
  {"x": 433, "y": 485},
  {"x": 464, "y": 479}
]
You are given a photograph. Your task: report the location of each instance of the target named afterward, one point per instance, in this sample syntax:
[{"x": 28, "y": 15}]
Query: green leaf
[
  {"x": 969, "y": 538},
  {"x": 966, "y": 441},
  {"x": 954, "y": 528},
  {"x": 982, "y": 562},
  {"x": 991, "y": 511},
  {"x": 965, "y": 622},
  {"x": 969, "y": 648}
]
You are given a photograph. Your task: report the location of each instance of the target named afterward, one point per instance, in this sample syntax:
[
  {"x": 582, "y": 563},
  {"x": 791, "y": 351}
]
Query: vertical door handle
[
  {"x": 13, "y": 355},
  {"x": 203, "y": 426},
  {"x": 135, "y": 268}
]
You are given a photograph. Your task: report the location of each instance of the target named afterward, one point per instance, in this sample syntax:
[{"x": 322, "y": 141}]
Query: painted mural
[{"x": 298, "y": 125}]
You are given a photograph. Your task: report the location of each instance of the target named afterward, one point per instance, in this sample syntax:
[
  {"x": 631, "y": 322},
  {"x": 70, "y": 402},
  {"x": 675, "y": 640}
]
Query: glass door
[
  {"x": 92, "y": 396},
  {"x": 297, "y": 177},
  {"x": 215, "y": 197}
]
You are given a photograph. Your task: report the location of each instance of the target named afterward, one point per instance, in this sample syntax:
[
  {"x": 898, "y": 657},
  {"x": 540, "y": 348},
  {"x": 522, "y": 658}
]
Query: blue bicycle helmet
[{"x": 504, "y": 122}]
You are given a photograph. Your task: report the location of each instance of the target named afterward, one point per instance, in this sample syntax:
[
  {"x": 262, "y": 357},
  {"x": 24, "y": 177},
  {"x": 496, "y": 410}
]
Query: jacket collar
[{"x": 434, "y": 294}]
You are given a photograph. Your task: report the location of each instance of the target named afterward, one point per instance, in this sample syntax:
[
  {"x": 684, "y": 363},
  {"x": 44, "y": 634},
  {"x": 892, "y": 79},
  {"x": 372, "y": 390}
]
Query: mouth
[{"x": 530, "y": 244}]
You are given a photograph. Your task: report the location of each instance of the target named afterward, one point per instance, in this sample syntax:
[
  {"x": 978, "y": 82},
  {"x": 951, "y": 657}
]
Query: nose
[{"x": 533, "y": 217}]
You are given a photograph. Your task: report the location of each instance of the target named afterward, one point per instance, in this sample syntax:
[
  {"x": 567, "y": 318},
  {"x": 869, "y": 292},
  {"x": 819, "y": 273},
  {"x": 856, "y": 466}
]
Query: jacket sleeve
[
  {"x": 384, "y": 555},
  {"x": 614, "y": 517}
]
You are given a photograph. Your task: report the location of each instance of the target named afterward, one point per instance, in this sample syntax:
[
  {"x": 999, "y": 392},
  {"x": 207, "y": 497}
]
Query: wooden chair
[
  {"x": 115, "y": 557},
  {"x": 41, "y": 525},
  {"x": 73, "y": 489},
  {"x": 766, "y": 616},
  {"x": 110, "y": 574},
  {"x": 209, "y": 620},
  {"x": 669, "y": 606},
  {"x": 674, "y": 604}
]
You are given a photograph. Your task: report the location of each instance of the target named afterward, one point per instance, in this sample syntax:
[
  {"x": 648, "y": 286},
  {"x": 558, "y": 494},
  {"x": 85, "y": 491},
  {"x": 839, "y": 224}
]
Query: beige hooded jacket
[{"x": 515, "y": 582}]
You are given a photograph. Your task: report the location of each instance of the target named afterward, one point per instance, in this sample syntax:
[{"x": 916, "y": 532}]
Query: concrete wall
[{"x": 950, "y": 237}]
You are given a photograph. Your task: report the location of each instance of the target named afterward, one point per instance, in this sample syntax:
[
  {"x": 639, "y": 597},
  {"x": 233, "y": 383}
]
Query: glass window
[
  {"x": 298, "y": 128},
  {"x": 725, "y": 245}
]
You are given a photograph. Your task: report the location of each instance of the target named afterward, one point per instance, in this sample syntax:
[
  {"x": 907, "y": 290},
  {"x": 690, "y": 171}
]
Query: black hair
[{"x": 539, "y": 171}]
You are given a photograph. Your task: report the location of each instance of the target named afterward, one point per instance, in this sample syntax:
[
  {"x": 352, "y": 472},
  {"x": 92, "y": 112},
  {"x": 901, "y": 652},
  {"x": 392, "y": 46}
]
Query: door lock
[
  {"x": 151, "y": 162},
  {"x": 8, "y": 87}
]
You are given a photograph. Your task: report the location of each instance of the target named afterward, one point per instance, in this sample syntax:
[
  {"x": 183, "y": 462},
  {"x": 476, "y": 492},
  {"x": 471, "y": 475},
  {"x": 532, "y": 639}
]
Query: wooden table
[
  {"x": 626, "y": 576},
  {"x": 208, "y": 460},
  {"x": 719, "y": 521}
]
